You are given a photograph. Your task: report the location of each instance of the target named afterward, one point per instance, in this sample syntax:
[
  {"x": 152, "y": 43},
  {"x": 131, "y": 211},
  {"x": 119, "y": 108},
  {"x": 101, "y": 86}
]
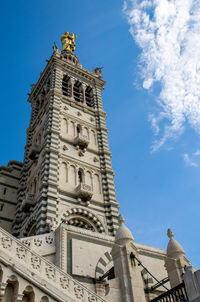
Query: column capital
[
  {"x": 84, "y": 86},
  {"x": 72, "y": 80}
]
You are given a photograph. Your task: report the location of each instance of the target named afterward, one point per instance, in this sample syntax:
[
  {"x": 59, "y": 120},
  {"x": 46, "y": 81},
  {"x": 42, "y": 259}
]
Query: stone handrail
[{"x": 49, "y": 272}]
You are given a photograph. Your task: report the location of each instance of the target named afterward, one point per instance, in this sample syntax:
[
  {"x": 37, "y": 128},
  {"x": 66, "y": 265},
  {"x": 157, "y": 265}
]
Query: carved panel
[
  {"x": 35, "y": 262},
  {"x": 92, "y": 298},
  {"x": 6, "y": 242},
  {"x": 50, "y": 272},
  {"x": 38, "y": 242},
  {"x": 20, "y": 252},
  {"x": 78, "y": 290},
  {"x": 64, "y": 282}
]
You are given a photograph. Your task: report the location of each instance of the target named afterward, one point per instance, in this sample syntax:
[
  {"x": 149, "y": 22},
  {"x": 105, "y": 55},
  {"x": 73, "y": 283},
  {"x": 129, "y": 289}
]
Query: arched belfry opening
[
  {"x": 89, "y": 96},
  {"x": 66, "y": 86},
  {"x": 78, "y": 93}
]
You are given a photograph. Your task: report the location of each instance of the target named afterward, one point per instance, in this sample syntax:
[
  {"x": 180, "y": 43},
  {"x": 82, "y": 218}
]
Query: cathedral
[{"x": 62, "y": 238}]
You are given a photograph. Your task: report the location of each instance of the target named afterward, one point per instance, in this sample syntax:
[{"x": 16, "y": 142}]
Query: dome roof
[
  {"x": 174, "y": 249},
  {"x": 123, "y": 234}
]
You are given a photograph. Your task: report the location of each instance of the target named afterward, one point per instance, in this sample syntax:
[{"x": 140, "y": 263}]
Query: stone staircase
[{"x": 42, "y": 273}]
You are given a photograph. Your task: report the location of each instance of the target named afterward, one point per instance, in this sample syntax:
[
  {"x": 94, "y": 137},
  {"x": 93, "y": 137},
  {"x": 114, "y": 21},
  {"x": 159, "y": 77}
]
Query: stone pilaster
[
  {"x": 2, "y": 290},
  {"x": 126, "y": 268}
]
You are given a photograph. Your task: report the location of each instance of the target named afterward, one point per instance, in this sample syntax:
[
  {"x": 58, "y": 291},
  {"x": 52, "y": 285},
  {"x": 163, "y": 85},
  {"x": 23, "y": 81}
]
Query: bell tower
[{"x": 67, "y": 175}]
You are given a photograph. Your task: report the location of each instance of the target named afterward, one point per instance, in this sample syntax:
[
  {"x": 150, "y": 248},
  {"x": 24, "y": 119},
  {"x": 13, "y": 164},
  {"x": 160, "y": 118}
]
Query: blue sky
[{"x": 156, "y": 170}]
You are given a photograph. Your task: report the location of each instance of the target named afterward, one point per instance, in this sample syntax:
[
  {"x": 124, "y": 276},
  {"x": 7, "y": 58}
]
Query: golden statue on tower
[{"x": 68, "y": 41}]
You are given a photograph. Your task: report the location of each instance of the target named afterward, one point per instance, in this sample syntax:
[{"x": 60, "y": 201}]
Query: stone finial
[
  {"x": 121, "y": 219},
  {"x": 174, "y": 249},
  {"x": 56, "y": 49},
  {"x": 175, "y": 261},
  {"x": 123, "y": 234},
  {"x": 170, "y": 234},
  {"x": 98, "y": 71}
]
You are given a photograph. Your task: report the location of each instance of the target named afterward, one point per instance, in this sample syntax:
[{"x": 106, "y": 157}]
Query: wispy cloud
[
  {"x": 193, "y": 159},
  {"x": 168, "y": 33}
]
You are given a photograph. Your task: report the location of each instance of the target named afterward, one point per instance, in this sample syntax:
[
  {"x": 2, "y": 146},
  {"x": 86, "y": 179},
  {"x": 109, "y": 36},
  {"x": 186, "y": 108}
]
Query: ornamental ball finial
[
  {"x": 68, "y": 41},
  {"x": 170, "y": 234}
]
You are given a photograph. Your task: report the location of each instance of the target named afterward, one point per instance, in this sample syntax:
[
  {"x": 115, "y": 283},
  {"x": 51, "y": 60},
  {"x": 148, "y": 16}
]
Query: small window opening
[
  {"x": 4, "y": 191},
  {"x": 41, "y": 103},
  {"x": 89, "y": 97},
  {"x": 78, "y": 92},
  {"x": 1, "y": 207},
  {"x": 80, "y": 176},
  {"x": 49, "y": 83},
  {"x": 47, "y": 86},
  {"x": 78, "y": 129},
  {"x": 37, "y": 107},
  {"x": 39, "y": 139},
  {"x": 66, "y": 86}
]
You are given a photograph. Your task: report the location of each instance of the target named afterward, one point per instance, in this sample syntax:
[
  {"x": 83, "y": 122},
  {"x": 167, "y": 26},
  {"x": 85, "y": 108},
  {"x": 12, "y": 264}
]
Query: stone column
[
  {"x": 126, "y": 269},
  {"x": 192, "y": 284},
  {"x": 83, "y": 93},
  {"x": 72, "y": 80},
  {"x": 176, "y": 261}
]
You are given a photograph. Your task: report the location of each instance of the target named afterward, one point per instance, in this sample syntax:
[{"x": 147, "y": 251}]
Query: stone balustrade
[
  {"x": 81, "y": 140},
  {"x": 42, "y": 244},
  {"x": 27, "y": 202},
  {"x": 17, "y": 254},
  {"x": 34, "y": 152},
  {"x": 84, "y": 192}
]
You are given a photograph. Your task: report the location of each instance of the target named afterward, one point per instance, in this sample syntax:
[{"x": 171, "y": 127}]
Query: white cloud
[
  {"x": 192, "y": 160},
  {"x": 168, "y": 33},
  {"x": 197, "y": 153},
  {"x": 189, "y": 160}
]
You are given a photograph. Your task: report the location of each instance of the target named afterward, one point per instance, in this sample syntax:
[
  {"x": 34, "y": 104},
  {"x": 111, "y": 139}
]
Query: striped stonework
[
  {"x": 67, "y": 144},
  {"x": 103, "y": 265},
  {"x": 83, "y": 218}
]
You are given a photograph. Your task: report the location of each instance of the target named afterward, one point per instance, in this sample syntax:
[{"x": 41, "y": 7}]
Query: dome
[
  {"x": 174, "y": 249},
  {"x": 123, "y": 234}
]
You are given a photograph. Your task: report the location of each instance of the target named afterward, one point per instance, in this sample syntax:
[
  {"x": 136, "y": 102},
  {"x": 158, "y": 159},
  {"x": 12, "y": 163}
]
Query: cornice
[
  {"x": 80, "y": 70},
  {"x": 88, "y": 233},
  {"x": 55, "y": 61}
]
